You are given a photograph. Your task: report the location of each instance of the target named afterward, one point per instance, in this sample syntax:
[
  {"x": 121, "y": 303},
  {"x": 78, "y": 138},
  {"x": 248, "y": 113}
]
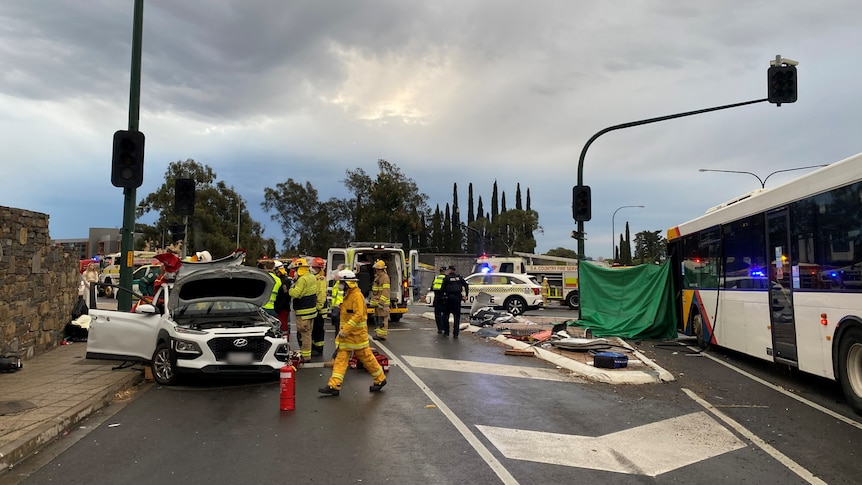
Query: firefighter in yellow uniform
[
  {"x": 379, "y": 301},
  {"x": 352, "y": 338},
  {"x": 318, "y": 332},
  {"x": 304, "y": 295}
]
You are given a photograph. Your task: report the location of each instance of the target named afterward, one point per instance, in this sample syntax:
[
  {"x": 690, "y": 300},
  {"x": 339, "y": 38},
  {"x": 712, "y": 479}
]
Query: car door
[{"x": 116, "y": 335}]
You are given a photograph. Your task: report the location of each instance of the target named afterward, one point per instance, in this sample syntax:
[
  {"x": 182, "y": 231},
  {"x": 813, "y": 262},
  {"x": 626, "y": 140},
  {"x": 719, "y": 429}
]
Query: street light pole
[
  {"x": 481, "y": 237},
  {"x": 613, "y": 230},
  {"x": 761, "y": 180},
  {"x": 238, "y": 207}
]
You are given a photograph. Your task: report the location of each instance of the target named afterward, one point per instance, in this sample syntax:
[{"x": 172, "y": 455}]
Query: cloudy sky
[{"x": 449, "y": 91}]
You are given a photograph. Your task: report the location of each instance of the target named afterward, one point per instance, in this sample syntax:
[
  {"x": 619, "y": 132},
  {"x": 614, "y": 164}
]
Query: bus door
[{"x": 780, "y": 295}]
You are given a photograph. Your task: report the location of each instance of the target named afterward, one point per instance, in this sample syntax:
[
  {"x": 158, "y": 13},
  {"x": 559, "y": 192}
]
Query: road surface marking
[
  {"x": 779, "y": 456},
  {"x": 811, "y": 404},
  {"x": 650, "y": 450},
  {"x": 462, "y": 428},
  {"x": 486, "y": 368}
]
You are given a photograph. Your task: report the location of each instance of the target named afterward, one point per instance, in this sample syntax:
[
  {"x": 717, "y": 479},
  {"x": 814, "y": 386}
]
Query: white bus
[{"x": 776, "y": 274}]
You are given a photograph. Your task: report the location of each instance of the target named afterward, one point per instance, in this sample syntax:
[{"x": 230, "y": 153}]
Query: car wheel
[
  {"x": 515, "y": 305},
  {"x": 573, "y": 300},
  {"x": 109, "y": 291},
  {"x": 395, "y": 317},
  {"x": 164, "y": 365},
  {"x": 850, "y": 367}
]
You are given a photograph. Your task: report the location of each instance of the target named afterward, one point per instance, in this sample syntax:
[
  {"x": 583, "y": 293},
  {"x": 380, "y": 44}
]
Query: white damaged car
[{"x": 207, "y": 321}]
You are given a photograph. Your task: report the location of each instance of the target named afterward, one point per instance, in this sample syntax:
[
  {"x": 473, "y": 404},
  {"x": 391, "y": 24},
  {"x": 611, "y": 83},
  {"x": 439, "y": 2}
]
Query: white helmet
[
  {"x": 347, "y": 275},
  {"x": 204, "y": 256}
]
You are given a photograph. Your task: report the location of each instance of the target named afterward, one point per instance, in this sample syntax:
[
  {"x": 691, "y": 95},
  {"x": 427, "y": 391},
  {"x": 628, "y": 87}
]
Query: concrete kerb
[{"x": 32, "y": 442}]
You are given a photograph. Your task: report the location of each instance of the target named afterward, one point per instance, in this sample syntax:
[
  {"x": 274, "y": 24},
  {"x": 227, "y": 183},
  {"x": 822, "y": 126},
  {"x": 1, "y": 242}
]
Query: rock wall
[{"x": 38, "y": 284}]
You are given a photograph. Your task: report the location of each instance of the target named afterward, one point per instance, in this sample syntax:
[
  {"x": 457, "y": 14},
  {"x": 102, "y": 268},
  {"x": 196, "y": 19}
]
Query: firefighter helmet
[
  {"x": 300, "y": 263},
  {"x": 318, "y": 263},
  {"x": 347, "y": 275},
  {"x": 379, "y": 264}
]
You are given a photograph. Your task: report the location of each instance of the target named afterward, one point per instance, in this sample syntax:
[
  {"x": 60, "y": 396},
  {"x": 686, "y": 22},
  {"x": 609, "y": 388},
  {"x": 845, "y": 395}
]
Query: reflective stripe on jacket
[
  {"x": 304, "y": 294},
  {"x": 353, "y": 321},
  {"x": 270, "y": 305}
]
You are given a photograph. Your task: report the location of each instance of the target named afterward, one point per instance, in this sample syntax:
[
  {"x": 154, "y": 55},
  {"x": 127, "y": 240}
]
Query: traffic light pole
[
  {"x": 580, "y": 231},
  {"x": 124, "y": 298}
]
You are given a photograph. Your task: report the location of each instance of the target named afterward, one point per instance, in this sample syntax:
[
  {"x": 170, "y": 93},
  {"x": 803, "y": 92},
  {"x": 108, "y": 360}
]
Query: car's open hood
[{"x": 227, "y": 283}]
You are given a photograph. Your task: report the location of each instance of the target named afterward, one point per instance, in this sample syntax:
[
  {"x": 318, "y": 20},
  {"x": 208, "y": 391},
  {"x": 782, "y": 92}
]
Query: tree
[
  {"x": 457, "y": 235},
  {"x": 649, "y": 246},
  {"x": 213, "y": 225},
  {"x": 387, "y": 204},
  {"x": 309, "y": 226},
  {"x": 494, "y": 207},
  {"x": 509, "y": 230},
  {"x": 563, "y": 253}
]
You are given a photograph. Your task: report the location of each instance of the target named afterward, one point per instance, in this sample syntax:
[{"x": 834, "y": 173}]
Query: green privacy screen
[{"x": 632, "y": 302}]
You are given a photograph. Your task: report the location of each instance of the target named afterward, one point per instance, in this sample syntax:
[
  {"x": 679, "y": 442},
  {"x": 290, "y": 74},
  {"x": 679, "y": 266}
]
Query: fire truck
[
  {"x": 562, "y": 273},
  {"x": 359, "y": 256}
]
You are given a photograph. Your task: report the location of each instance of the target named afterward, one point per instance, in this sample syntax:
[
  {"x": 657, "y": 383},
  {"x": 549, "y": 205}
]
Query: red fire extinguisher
[{"x": 288, "y": 388}]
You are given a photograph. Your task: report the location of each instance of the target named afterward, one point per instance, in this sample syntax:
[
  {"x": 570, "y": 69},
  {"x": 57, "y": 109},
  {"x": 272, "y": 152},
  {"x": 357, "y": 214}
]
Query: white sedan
[{"x": 515, "y": 293}]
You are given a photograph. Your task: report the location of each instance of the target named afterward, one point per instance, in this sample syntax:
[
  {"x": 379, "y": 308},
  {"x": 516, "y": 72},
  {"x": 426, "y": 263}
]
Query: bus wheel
[
  {"x": 697, "y": 327},
  {"x": 572, "y": 300},
  {"x": 395, "y": 317},
  {"x": 850, "y": 367}
]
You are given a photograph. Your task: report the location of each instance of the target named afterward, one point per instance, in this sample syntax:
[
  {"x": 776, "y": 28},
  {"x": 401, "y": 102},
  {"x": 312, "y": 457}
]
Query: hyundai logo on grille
[{"x": 240, "y": 342}]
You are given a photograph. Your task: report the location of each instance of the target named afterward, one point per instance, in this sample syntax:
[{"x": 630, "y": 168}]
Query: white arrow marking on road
[
  {"x": 651, "y": 449},
  {"x": 485, "y": 368}
]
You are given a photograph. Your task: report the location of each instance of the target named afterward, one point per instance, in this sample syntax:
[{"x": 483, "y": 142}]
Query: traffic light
[
  {"x": 581, "y": 209},
  {"x": 127, "y": 163},
  {"x": 781, "y": 87},
  {"x": 184, "y": 197}
]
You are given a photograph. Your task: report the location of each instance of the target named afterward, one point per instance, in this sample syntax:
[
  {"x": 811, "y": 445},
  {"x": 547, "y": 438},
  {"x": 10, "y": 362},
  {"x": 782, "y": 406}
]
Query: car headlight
[
  {"x": 186, "y": 347},
  {"x": 179, "y": 329}
]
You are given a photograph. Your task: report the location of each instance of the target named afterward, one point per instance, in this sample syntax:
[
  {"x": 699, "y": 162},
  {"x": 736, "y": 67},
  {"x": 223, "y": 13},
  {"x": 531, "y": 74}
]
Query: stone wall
[{"x": 38, "y": 284}]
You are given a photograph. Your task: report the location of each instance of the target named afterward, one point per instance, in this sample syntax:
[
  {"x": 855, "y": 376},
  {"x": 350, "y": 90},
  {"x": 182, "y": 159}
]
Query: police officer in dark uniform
[{"x": 453, "y": 284}]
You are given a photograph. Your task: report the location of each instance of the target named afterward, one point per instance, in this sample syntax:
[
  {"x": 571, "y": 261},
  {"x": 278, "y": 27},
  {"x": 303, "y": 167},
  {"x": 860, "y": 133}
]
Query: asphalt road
[{"x": 459, "y": 411}]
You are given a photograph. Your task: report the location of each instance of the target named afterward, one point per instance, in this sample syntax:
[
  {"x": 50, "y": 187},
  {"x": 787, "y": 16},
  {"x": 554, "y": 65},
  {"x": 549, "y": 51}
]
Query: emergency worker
[
  {"x": 318, "y": 332},
  {"x": 282, "y": 300},
  {"x": 336, "y": 297},
  {"x": 304, "y": 294},
  {"x": 269, "y": 306},
  {"x": 546, "y": 292},
  {"x": 353, "y": 338},
  {"x": 439, "y": 300},
  {"x": 453, "y": 285},
  {"x": 379, "y": 299}
]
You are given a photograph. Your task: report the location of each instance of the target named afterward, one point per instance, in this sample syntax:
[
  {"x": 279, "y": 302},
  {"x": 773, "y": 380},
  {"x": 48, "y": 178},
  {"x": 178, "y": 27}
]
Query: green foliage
[
  {"x": 649, "y": 246},
  {"x": 213, "y": 226},
  {"x": 563, "y": 253}
]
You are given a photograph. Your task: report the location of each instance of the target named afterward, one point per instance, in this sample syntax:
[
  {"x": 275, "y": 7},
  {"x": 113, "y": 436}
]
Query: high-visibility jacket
[
  {"x": 270, "y": 305},
  {"x": 337, "y": 295},
  {"x": 321, "y": 291},
  {"x": 380, "y": 292},
  {"x": 304, "y": 294},
  {"x": 353, "y": 321},
  {"x": 438, "y": 282}
]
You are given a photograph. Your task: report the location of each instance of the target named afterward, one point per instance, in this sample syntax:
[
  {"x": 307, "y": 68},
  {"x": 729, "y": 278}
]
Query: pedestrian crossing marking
[{"x": 501, "y": 370}]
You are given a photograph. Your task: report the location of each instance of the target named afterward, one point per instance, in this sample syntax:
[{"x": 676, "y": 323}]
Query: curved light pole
[
  {"x": 613, "y": 230},
  {"x": 763, "y": 180},
  {"x": 481, "y": 237}
]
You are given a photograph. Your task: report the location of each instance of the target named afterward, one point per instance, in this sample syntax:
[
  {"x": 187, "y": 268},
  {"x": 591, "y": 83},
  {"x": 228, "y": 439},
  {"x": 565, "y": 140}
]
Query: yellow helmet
[
  {"x": 300, "y": 263},
  {"x": 379, "y": 264}
]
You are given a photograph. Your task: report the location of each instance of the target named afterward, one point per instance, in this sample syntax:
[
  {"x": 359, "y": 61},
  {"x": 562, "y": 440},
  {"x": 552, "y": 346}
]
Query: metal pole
[
  {"x": 124, "y": 299},
  {"x": 613, "y": 230},
  {"x": 238, "y": 206},
  {"x": 629, "y": 125}
]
